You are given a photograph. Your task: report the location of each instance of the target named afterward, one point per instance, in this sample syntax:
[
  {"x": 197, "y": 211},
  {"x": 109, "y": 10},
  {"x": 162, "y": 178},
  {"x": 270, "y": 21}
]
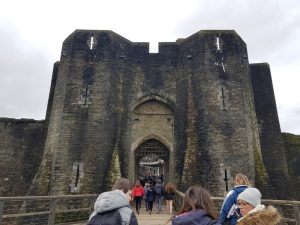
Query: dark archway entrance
[{"x": 152, "y": 157}]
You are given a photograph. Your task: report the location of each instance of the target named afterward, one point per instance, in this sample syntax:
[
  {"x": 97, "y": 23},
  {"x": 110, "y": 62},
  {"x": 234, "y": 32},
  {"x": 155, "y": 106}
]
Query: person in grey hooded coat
[{"x": 111, "y": 201}]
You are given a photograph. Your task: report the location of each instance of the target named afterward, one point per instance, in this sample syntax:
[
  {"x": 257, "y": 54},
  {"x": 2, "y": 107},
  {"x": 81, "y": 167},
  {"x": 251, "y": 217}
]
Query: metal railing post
[
  {"x": 296, "y": 213},
  {"x": 51, "y": 219},
  {"x": 1, "y": 210}
]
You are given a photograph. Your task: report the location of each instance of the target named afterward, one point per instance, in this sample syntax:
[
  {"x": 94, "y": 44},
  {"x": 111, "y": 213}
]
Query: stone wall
[
  {"x": 21, "y": 151},
  {"x": 199, "y": 97},
  {"x": 292, "y": 150},
  {"x": 273, "y": 154},
  {"x": 101, "y": 80}
]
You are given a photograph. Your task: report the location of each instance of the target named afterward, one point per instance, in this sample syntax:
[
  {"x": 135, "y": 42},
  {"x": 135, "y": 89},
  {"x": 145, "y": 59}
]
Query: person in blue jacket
[{"x": 230, "y": 212}]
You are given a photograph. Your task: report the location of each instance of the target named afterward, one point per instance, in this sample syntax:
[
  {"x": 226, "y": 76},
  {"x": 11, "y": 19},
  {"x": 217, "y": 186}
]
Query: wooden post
[
  {"x": 296, "y": 213},
  {"x": 51, "y": 219}
]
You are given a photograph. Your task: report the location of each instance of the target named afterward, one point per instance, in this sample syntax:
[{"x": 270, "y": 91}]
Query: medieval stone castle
[{"x": 197, "y": 108}]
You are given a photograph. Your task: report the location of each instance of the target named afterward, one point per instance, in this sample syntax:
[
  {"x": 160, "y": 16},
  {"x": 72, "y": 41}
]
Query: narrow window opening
[
  {"x": 153, "y": 47},
  {"x": 223, "y": 67},
  {"x": 77, "y": 176},
  {"x": 260, "y": 127},
  {"x": 223, "y": 97},
  {"x": 86, "y": 94},
  {"x": 218, "y": 43},
  {"x": 92, "y": 42},
  {"x": 226, "y": 180}
]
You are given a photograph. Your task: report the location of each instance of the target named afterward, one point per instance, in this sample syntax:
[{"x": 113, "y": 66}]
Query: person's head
[
  {"x": 197, "y": 197},
  {"x": 122, "y": 184},
  {"x": 248, "y": 200},
  {"x": 241, "y": 179},
  {"x": 170, "y": 187},
  {"x": 137, "y": 183}
]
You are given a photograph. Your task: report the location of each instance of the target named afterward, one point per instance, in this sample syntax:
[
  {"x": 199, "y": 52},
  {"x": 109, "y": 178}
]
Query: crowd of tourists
[{"x": 241, "y": 206}]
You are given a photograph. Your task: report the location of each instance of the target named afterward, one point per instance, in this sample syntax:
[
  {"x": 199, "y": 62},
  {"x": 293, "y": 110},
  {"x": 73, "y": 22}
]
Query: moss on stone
[
  {"x": 291, "y": 138},
  {"x": 190, "y": 161},
  {"x": 114, "y": 171},
  {"x": 261, "y": 176}
]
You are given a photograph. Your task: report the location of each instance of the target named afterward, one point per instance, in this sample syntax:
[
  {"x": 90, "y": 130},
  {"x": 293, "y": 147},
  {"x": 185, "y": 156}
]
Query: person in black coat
[{"x": 150, "y": 198}]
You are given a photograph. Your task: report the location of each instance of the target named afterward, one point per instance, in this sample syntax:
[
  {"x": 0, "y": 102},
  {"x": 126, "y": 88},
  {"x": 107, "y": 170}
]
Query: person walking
[
  {"x": 150, "y": 198},
  {"x": 169, "y": 196},
  {"x": 159, "y": 193},
  {"x": 113, "y": 207},
  {"x": 253, "y": 212},
  {"x": 146, "y": 188},
  {"x": 197, "y": 208},
  {"x": 229, "y": 211},
  {"x": 137, "y": 195}
]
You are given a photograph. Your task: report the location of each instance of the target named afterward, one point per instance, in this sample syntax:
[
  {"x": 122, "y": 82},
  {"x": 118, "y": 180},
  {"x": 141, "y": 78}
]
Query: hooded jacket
[
  {"x": 112, "y": 200},
  {"x": 195, "y": 217},
  {"x": 230, "y": 211},
  {"x": 265, "y": 216}
]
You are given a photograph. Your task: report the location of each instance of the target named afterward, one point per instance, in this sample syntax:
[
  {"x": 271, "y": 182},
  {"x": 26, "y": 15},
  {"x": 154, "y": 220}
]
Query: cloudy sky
[{"x": 32, "y": 32}]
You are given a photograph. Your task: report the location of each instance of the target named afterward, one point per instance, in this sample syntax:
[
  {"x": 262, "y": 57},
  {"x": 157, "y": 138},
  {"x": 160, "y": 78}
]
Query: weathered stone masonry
[{"x": 198, "y": 97}]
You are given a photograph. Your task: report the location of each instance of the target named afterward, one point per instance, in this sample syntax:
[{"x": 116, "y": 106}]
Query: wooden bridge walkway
[
  {"x": 54, "y": 210},
  {"x": 154, "y": 219},
  {"x": 144, "y": 218}
]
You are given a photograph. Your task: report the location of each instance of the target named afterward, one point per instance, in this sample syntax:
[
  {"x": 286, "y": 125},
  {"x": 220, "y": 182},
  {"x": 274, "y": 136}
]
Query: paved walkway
[
  {"x": 154, "y": 219},
  {"x": 144, "y": 218}
]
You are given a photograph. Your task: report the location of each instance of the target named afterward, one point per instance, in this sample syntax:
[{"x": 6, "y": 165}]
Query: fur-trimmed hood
[{"x": 266, "y": 216}]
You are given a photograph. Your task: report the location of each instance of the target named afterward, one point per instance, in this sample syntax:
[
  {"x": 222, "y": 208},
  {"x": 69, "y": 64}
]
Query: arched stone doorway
[
  {"x": 151, "y": 137},
  {"x": 152, "y": 158}
]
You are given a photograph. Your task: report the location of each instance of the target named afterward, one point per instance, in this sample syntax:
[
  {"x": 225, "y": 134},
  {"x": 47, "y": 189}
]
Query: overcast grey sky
[{"x": 32, "y": 32}]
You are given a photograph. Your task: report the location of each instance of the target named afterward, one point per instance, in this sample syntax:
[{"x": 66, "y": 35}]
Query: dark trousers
[
  {"x": 138, "y": 202},
  {"x": 146, "y": 205},
  {"x": 150, "y": 206}
]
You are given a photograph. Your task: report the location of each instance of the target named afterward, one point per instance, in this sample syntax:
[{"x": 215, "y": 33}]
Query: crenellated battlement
[{"x": 195, "y": 109}]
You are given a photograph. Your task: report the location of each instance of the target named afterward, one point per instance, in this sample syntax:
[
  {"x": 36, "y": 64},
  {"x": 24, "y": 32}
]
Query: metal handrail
[
  {"x": 50, "y": 210},
  {"x": 53, "y": 210}
]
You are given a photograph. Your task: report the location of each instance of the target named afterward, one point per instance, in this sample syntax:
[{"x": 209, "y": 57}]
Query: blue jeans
[{"x": 159, "y": 202}]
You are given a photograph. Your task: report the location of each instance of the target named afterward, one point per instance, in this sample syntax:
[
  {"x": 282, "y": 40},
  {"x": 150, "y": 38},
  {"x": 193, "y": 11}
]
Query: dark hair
[
  {"x": 197, "y": 197},
  {"x": 122, "y": 184},
  {"x": 137, "y": 183}
]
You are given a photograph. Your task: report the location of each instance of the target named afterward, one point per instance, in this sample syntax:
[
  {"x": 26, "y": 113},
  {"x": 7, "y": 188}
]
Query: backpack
[{"x": 119, "y": 216}]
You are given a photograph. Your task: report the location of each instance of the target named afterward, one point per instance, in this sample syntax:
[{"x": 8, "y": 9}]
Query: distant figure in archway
[
  {"x": 150, "y": 198},
  {"x": 137, "y": 194},
  {"x": 159, "y": 193},
  {"x": 169, "y": 196}
]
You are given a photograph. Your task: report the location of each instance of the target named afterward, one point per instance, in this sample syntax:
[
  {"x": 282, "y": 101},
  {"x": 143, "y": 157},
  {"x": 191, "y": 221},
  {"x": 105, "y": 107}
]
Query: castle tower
[{"x": 113, "y": 106}]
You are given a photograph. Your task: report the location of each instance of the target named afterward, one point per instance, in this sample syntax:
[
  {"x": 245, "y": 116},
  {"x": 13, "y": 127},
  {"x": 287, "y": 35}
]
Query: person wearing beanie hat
[
  {"x": 253, "y": 213},
  {"x": 251, "y": 195},
  {"x": 230, "y": 213}
]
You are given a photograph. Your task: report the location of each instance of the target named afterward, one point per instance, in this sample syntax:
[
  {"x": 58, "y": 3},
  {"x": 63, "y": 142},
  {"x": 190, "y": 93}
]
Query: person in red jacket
[{"x": 137, "y": 194}]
